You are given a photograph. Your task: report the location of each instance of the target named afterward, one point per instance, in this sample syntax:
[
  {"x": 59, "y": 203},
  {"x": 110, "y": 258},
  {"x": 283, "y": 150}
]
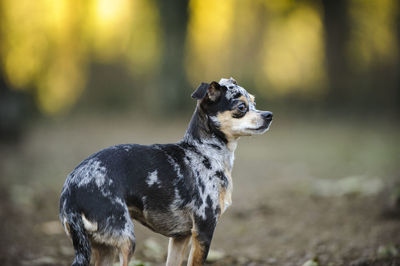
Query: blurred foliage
[
  {"x": 293, "y": 57},
  {"x": 47, "y": 45},
  {"x": 373, "y": 39},
  {"x": 52, "y": 49}
]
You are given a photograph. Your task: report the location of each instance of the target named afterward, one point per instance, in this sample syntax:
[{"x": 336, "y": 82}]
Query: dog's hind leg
[
  {"x": 80, "y": 239},
  {"x": 121, "y": 235},
  {"x": 115, "y": 235},
  {"x": 176, "y": 250},
  {"x": 114, "y": 240}
]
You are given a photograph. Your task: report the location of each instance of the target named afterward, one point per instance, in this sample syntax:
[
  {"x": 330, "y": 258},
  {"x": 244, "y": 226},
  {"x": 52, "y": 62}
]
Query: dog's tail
[{"x": 74, "y": 227}]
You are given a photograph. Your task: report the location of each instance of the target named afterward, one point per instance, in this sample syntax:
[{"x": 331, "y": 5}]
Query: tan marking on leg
[
  {"x": 196, "y": 252},
  {"x": 222, "y": 193},
  {"x": 67, "y": 228},
  {"x": 104, "y": 255},
  {"x": 225, "y": 194},
  {"x": 89, "y": 226},
  {"x": 176, "y": 250},
  {"x": 96, "y": 256}
]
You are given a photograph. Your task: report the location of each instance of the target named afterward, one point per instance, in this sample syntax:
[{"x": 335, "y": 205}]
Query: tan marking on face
[
  {"x": 252, "y": 98},
  {"x": 225, "y": 121},
  {"x": 236, "y": 127},
  {"x": 254, "y": 117},
  {"x": 244, "y": 99}
]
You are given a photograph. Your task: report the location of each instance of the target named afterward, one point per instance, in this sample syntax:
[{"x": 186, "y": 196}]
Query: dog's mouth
[{"x": 262, "y": 128}]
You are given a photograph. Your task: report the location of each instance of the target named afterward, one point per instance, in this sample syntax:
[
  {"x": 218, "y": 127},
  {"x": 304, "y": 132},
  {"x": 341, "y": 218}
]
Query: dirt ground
[{"x": 317, "y": 189}]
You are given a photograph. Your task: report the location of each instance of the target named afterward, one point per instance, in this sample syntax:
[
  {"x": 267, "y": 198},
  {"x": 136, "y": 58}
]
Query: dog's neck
[{"x": 202, "y": 134}]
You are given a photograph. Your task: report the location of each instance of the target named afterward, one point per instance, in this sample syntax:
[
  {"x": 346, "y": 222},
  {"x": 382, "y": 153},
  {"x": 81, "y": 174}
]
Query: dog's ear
[
  {"x": 212, "y": 91},
  {"x": 201, "y": 91}
]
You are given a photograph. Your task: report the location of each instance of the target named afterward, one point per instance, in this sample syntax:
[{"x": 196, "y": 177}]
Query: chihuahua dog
[{"x": 178, "y": 190}]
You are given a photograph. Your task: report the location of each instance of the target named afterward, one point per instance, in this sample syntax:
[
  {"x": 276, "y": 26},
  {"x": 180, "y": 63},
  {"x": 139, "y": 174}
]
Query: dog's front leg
[
  {"x": 176, "y": 250},
  {"x": 201, "y": 240}
]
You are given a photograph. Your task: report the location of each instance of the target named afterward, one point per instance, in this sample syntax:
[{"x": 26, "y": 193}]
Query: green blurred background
[{"x": 77, "y": 76}]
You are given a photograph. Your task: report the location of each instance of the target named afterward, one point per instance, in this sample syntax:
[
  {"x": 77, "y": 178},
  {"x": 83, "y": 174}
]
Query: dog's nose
[{"x": 267, "y": 115}]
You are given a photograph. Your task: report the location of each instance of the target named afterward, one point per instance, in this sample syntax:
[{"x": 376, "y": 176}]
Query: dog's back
[{"x": 159, "y": 185}]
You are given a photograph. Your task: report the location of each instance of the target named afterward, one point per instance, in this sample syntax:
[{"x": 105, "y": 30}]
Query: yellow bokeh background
[{"x": 278, "y": 46}]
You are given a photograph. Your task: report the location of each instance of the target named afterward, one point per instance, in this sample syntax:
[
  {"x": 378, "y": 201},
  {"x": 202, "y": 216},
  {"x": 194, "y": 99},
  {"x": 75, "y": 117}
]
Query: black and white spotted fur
[{"x": 178, "y": 190}]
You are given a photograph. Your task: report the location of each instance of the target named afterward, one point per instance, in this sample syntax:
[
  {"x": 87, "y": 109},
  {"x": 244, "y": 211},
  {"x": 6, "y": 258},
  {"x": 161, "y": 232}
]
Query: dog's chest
[
  {"x": 212, "y": 175},
  {"x": 225, "y": 193}
]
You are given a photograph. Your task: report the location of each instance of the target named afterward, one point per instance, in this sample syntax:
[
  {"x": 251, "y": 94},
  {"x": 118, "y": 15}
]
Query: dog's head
[{"x": 231, "y": 109}]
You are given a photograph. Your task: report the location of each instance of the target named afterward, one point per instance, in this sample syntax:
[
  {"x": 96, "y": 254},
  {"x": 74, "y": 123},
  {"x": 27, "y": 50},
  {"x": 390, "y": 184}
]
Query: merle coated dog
[{"x": 178, "y": 190}]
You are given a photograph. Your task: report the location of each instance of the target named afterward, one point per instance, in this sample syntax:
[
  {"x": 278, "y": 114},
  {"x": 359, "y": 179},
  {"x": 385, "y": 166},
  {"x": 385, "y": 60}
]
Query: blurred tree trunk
[
  {"x": 172, "y": 84},
  {"x": 11, "y": 116},
  {"x": 336, "y": 25},
  {"x": 13, "y": 112},
  {"x": 398, "y": 61}
]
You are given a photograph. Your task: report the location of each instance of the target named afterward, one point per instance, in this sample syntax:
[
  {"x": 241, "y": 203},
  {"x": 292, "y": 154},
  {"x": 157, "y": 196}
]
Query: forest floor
[{"x": 322, "y": 190}]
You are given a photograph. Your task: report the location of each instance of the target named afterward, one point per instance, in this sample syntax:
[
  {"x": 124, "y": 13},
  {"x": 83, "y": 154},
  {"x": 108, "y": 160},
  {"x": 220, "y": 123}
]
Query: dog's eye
[{"x": 242, "y": 108}]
